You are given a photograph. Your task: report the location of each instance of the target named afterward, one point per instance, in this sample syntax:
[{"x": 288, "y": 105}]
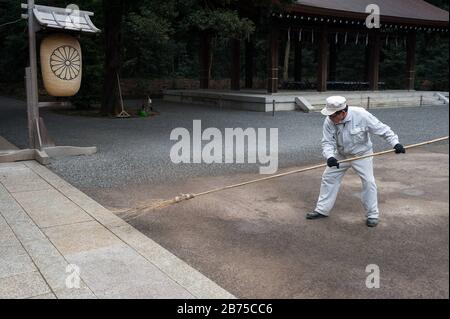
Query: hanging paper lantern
[{"x": 61, "y": 65}]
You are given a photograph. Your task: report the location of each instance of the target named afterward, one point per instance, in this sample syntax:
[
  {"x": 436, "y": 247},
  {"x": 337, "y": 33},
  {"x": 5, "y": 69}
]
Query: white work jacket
[{"x": 351, "y": 137}]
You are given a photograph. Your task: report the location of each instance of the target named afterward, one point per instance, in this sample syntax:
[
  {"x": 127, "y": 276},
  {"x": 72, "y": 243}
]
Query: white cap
[{"x": 334, "y": 104}]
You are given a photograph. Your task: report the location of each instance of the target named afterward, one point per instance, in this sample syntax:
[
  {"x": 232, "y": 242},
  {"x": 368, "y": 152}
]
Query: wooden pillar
[
  {"x": 298, "y": 61},
  {"x": 249, "y": 62},
  {"x": 205, "y": 59},
  {"x": 31, "y": 75},
  {"x": 273, "y": 68},
  {"x": 235, "y": 64},
  {"x": 410, "y": 61},
  {"x": 322, "y": 60},
  {"x": 332, "y": 61},
  {"x": 374, "y": 61}
]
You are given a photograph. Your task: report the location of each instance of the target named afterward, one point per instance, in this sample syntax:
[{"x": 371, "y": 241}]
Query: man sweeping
[{"x": 346, "y": 134}]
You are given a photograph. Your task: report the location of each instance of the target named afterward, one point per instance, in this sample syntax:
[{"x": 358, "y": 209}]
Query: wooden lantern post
[
  {"x": 31, "y": 78},
  {"x": 40, "y": 143}
]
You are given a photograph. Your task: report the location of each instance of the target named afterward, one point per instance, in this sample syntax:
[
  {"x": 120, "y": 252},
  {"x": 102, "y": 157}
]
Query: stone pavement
[{"x": 50, "y": 232}]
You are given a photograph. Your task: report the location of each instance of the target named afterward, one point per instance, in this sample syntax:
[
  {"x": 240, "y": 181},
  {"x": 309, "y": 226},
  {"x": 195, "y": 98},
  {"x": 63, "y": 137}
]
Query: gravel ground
[
  {"x": 255, "y": 241},
  {"x": 137, "y": 150}
]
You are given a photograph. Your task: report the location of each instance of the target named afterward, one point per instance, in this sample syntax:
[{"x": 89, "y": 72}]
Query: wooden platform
[{"x": 260, "y": 101}]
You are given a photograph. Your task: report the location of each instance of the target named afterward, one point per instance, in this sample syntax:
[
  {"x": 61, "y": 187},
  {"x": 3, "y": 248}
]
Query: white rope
[{"x": 8, "y": 23}]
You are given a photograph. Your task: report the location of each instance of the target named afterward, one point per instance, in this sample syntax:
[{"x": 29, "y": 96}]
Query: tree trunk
[
  {"x": 113, "y": 12},
  {"x": 211, "y": 56},
  {"x": 272, "y": 59},
  {"x": 298, "y": 64},
  {"x": 205, "y": 57},
  {"x": 332, "y": 62},
  {"x": 235, "y": 78},
  {"x": 249, "y": 62},
  {"x": 287, "y": 54}
]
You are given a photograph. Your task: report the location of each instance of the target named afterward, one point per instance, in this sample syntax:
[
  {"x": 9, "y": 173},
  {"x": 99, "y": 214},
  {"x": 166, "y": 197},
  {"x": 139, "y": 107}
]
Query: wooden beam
[
  {"x": 322, "y": 59},
  {"x": 205, "y": 59},
  {"x": 235, "y": 64},
  {"x": 374, "y": 61},
  {"x": 312, "y": 11},
  {"x": 273, "y": 68},
  {"x": 410, "y": 61}
]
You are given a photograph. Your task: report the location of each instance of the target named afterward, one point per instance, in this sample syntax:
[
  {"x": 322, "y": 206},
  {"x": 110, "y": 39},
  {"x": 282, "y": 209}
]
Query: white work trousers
[{"x": 331, "y": 181}]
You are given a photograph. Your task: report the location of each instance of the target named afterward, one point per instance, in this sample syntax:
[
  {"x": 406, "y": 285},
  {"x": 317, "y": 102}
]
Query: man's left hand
[{"x": 399, "y": 149}]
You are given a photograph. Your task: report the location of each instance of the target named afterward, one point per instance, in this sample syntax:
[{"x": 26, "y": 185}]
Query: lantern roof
[{"x": 70, "y": 19}]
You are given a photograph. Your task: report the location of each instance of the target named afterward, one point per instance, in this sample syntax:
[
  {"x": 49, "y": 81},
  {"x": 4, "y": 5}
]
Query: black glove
[
  {"x": 332, "y": 162},
  {"x": 399, "y": 149}
]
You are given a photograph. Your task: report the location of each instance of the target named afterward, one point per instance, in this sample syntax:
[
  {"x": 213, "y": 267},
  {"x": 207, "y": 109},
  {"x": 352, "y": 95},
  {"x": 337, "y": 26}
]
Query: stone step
[
  {"x": 381, "y": 102},
  {"x": 379, "y": 98},
  {"x": 387, "y": 94},
  {"x": 318, "y": 107},
  {"x": 374, "y": 97}
]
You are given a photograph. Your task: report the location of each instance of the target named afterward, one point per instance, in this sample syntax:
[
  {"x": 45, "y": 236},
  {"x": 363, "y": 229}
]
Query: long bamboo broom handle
[
  {"x": 313, "y": 167},
  {"x": 185, "y": 197}
]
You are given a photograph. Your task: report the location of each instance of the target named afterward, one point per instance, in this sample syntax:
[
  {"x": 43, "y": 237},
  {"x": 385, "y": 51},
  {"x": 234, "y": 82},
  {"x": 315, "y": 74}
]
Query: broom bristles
[{"x": 136, "y": 212}]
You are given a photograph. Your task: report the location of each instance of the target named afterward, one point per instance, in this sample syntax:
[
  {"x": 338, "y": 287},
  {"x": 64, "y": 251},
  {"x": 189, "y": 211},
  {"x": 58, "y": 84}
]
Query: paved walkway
[{"x": 50, "y": 231}]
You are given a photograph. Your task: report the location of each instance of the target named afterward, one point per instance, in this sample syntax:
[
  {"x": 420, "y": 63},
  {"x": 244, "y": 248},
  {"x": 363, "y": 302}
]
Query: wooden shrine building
[{"x": 326, "y": 22}]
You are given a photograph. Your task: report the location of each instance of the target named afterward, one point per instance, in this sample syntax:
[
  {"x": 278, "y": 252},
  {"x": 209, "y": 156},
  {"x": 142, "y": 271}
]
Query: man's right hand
[
  {"x": 333, "y": 162},
  {"x": 399, "y": 149}
]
